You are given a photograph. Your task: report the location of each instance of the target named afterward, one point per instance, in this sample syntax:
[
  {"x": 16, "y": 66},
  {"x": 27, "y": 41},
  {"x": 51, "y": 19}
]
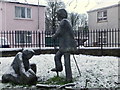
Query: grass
[
  {"x": 56, "y": 81},
  {"x": 52, "y": 81}
]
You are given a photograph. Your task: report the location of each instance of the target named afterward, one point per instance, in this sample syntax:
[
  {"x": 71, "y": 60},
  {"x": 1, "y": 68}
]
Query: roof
[
  {"x": 23, "y": 3},
  {"x": 105, "y": 6}
]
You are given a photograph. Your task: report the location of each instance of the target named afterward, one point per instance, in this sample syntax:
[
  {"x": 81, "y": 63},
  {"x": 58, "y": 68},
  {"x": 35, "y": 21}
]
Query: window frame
[
  {"x": 102, "y": 16},
  {"x": 27, "y": 14}
]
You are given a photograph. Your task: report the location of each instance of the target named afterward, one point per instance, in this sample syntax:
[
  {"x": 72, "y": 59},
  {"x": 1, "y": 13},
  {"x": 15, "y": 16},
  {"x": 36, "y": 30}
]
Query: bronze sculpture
[
  {"x": 21, "y": 71},
  {"x": 67, "y": 44}
]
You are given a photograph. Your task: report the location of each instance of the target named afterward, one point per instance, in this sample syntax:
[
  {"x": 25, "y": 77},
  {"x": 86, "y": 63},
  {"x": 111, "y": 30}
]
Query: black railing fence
[{"x": 91, "y": 38}]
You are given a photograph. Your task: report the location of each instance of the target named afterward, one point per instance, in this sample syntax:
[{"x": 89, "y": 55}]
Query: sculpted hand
[
  {"x": 31, "y": 72},
  {"x": 53, "y": 37}
]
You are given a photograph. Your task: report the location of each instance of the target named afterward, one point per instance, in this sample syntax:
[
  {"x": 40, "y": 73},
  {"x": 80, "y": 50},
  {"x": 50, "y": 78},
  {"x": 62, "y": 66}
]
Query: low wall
[
  {"x": 87, "y": 51},
  {"x": 100, "y": 52}
]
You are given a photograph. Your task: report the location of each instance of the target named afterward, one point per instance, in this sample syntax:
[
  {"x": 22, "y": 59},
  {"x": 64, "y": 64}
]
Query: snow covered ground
[{"x": 100, "y": 71}]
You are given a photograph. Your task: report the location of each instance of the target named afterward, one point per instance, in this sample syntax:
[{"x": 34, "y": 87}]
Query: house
[
  {"x": 104, "y": 22},
  {"x": 21, "y": 19},
  {"x": 104, "y": 16}
]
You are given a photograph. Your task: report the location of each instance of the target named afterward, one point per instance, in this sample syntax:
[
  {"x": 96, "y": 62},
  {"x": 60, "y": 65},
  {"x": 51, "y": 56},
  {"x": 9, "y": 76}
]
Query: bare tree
[
  {"x": 78, "y": 20},
  {"x": 83, "y": 20},
  {"x": 51, "y": 18},
  {"x": 74, "y": 19}
]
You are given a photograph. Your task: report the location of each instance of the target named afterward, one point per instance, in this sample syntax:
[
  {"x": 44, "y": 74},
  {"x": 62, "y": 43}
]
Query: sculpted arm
[
  {"x": 22, "y": 69},
  {"x": 59, "y": 30},
  {"x": 57, "y": 34}
]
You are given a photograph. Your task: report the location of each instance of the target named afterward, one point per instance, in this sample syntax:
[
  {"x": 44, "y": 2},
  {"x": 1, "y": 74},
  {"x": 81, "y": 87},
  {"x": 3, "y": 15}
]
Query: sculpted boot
[{"x": 56, "y": 70}]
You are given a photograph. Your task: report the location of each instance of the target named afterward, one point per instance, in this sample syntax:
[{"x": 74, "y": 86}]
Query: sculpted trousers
[
  {"x": 21, "y": 79},
  {"x": 58, "y": 63},
  {"x": 59, "y": 67}
]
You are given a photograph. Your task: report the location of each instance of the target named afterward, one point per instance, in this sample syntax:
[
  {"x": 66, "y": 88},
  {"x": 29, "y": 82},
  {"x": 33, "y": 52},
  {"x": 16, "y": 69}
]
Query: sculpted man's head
[
  {"x": 61, "y": 14},
  {"x": 28, "y": 53}
]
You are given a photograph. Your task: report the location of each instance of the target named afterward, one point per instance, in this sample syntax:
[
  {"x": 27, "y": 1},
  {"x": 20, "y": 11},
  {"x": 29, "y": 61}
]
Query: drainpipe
[
  {"x": 1, "y": 15},
  {"x": 38, "y": 16},
  {"x": 5, "y": 17},
  {"x": 101, "y": 42}
]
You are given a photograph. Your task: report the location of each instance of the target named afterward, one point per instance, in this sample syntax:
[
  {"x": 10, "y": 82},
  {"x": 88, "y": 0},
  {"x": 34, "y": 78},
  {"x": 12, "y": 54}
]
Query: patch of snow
[
  {"x": 10, "y": 49},
  {"x": 98, "y": 47},
  {"x": 35, "y": 48},
  {"x": 100, "y": 71}
]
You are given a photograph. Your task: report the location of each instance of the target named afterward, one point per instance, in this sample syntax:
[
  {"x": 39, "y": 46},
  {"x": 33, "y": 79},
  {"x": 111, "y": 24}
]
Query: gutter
[
  {"x": 23, "y": 3},
  {"x": 116, "y": 5}
]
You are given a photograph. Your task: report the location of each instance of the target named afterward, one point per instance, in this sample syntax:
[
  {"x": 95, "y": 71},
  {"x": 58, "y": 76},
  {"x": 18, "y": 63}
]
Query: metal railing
[{"x": 91, "y": 38}]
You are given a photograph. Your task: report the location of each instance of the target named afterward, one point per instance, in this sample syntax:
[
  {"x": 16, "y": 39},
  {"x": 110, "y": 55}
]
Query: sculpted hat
[
  {"x": 28, "y": 53},
  {"x": 62, "y": 13}
]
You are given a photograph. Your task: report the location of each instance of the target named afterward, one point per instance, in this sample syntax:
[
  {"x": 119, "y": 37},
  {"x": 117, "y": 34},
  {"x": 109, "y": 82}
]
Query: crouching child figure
[{"x": 21, "y": 71}]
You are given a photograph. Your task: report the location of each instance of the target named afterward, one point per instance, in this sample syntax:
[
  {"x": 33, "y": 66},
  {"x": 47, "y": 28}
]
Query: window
[
  {"x": 101, "y": 16},
  {"x": 23, "y": 37},
  {"x": 22, "y": 12}
]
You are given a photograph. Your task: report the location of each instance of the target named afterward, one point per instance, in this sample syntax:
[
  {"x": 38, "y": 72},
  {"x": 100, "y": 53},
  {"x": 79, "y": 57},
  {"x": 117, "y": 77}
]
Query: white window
[
  {"x": 22, "y": 12},
  {"x": 101, "y": 16}
]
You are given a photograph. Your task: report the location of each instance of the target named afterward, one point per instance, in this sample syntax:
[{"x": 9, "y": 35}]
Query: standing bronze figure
[{"x": 67, "y": 44}]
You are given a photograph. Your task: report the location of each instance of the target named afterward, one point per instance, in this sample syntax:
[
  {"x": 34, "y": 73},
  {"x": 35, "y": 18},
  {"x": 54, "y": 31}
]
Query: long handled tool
[{"x": 77, "y": 65}]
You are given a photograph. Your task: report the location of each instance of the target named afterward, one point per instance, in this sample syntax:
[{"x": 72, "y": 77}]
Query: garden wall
[{"x": 88, "y": 51}]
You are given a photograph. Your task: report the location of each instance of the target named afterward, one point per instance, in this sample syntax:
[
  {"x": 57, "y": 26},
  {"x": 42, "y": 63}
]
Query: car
[{"x": 4, "y": 43}]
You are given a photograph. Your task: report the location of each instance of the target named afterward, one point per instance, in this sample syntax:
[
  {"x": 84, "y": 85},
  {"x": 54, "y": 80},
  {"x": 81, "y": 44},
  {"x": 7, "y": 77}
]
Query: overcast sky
[{"x": 79, "y": 6}]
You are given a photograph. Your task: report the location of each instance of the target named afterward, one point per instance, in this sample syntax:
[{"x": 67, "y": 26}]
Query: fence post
[
  {"x": 78, "y": 41},
  {"x": 118, "y": 37},
  {"x": 101, "y": 42},
  {"x": 39, "y": 37}
]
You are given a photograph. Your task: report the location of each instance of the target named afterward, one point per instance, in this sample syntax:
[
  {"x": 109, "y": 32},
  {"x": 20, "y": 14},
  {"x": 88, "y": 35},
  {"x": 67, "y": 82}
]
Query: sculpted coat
[
  {"x": 20, "y": 71},
  {"x": 66, "y": 37}
]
